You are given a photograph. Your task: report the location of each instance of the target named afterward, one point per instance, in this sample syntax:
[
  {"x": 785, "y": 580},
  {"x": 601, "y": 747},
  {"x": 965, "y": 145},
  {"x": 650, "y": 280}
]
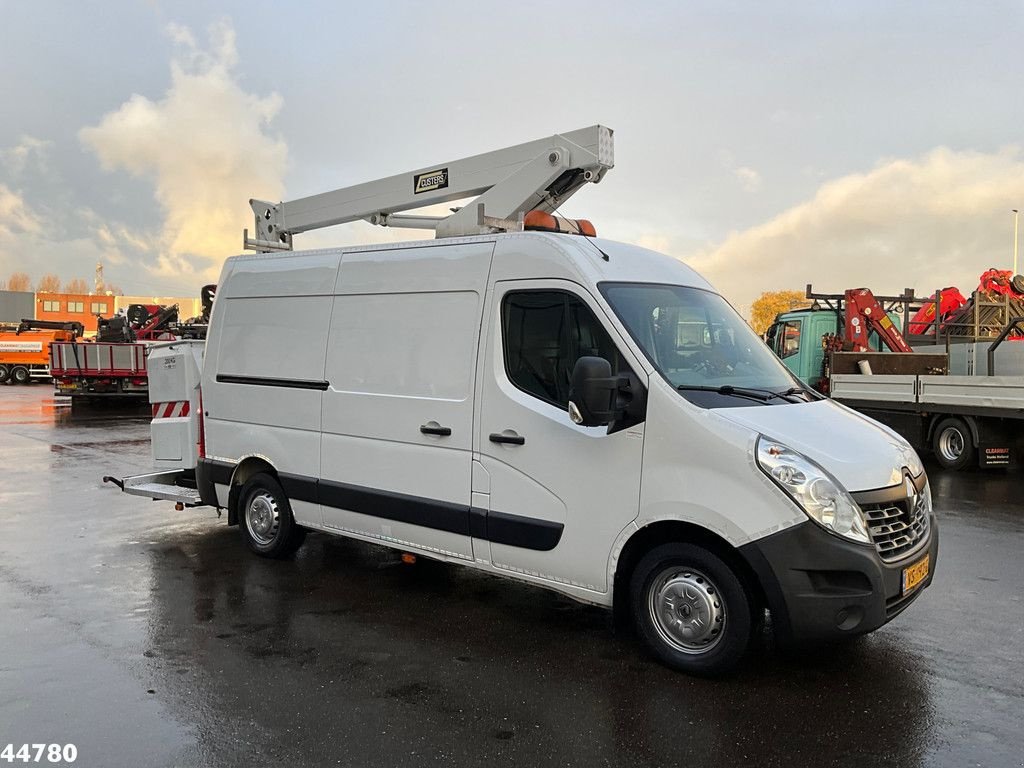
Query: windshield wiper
[
  {"x": 796, "y": 391},
  {"x": 751, "y": 393},
  {"x": 762, "y": 395}
]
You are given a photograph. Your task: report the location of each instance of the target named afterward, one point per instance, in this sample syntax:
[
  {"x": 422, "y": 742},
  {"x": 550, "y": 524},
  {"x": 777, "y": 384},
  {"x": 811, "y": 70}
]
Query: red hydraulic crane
[{"x": 863, "y": 315}]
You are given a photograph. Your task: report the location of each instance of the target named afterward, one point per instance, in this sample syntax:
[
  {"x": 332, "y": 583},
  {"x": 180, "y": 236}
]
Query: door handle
[
  {"x": 513, "y": 439},
  {"x": 433, "y": 428}
]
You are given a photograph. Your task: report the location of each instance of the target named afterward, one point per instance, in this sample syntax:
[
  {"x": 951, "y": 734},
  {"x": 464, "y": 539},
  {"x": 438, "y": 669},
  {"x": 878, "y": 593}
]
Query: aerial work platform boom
[{"x": 539, "y": 175}]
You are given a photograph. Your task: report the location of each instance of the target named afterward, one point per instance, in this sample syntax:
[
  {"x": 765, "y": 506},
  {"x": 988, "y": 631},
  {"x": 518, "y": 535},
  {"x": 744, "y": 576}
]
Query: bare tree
[
  {"x": 48, "y": 284},
  {"x": 19, "y": 281},
  {"x": 77, "y": 285},
  {"x": 113, "y": 290}
]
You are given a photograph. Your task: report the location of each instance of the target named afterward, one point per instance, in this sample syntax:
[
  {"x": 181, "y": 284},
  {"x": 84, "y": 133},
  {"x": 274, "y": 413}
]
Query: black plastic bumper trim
[
  {"x": 209, "y": 474},
  {"x": 808, "y": 577}
]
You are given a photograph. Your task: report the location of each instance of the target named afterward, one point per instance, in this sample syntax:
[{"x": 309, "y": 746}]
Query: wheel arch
[
  {"x": 246, "y": 468},
  {"x": 970, "y": 421},
  {"x": 668, "y": 531}
]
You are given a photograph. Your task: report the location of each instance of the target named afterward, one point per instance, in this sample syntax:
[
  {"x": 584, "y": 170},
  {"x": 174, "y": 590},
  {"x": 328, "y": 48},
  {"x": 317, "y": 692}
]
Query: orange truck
[{"x": 25, "y": 348}]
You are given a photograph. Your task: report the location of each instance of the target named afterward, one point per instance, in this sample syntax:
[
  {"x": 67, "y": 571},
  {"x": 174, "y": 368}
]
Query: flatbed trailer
[
  {"x": 97, "y": 369},
  {"x": 962, "y": 419}
]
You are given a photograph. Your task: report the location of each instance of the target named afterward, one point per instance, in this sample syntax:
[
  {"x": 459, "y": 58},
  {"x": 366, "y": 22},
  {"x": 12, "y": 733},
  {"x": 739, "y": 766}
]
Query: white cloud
[
  {"x": 28, "y": 152},
  {"x": 16, "y": 218},
  {"x": 40, "y": 240},
  {"x": 205, "y": 145},
  {"x": 924, "y": 223}
]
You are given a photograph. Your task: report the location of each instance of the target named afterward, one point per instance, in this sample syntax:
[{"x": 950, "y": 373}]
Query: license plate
[{"x": 914, "y": 574}]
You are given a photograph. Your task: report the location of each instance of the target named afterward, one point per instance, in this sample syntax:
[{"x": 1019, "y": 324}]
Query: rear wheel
[
  {"x": 953, "y": 444},
  {"x": 267, "y": 524},
  {"x": 20, "y": 375},
  {"x": 691, "y": 609},
  {"x": 5, "y": 374}
]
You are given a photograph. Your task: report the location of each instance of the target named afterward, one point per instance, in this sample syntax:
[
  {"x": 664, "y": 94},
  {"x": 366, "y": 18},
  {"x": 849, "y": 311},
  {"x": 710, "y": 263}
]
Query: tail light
[{"x": 202, "y": 427}]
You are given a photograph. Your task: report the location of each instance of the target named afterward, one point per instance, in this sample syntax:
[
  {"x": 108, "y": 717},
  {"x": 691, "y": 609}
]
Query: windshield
[{"x": 695, "y": 339}]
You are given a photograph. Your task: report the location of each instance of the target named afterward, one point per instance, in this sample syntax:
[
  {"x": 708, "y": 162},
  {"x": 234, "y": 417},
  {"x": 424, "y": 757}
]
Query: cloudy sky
[{"x": 767, "y": 144}]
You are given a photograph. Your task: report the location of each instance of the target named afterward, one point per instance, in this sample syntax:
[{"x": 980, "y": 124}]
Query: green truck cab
[{"x": 796, "y": 338}]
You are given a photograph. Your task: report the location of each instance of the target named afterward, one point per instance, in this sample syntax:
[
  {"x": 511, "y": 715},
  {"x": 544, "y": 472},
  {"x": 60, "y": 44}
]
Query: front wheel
[
  {"x": 691, "y": 609},
  {"x": 20, "y": 375},
  {"x": 952, "y": 444},
  {"x": 268, "y": 526}
]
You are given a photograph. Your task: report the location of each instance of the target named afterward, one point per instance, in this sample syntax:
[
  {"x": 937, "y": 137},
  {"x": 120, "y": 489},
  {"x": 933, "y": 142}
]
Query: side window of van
[{"x": 544, "y": 333}]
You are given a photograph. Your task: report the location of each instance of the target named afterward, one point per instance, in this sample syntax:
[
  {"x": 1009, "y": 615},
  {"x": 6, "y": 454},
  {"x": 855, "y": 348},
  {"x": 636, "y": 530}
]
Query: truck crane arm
[
  {"x": 75, "y": 328},
  {"x": 538, "y": 175},
  {"x": 865, "y": 314}
]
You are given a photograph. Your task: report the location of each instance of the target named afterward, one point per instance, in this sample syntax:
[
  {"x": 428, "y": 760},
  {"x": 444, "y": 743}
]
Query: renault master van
[{"x": 578, "y": 414}]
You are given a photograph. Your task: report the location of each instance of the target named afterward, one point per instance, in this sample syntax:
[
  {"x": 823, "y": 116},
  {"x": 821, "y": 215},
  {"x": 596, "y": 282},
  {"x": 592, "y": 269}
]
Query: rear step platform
[{"x": 160, "y": 486}]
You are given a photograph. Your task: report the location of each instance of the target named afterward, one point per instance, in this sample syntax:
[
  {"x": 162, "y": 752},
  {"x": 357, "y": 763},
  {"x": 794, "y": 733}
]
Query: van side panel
[
  {"x": 401, "y": 356},
  {"x": 264, "y": 374}
]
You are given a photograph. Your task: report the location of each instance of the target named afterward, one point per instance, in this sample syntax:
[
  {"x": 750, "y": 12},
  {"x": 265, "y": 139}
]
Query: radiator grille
[{"x": 897, "y": 528}]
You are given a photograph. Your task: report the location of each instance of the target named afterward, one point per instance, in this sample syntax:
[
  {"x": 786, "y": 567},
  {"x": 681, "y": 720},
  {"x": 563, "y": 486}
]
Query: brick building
[{"x": 82, "y": 307}]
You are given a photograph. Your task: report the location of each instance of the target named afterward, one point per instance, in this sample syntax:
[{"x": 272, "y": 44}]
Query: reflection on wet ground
[{"x": 149, "y": 636}]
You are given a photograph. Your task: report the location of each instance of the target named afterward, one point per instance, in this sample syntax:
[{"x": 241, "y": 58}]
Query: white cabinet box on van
[{"x": 583, "y": 415}]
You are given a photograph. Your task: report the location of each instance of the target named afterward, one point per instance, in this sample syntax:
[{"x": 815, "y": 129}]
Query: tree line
[{"x": 51, "y": 283}]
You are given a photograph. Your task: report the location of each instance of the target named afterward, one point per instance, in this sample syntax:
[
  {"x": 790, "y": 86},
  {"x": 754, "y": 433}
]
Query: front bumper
[{"x": 821, "y": 587}]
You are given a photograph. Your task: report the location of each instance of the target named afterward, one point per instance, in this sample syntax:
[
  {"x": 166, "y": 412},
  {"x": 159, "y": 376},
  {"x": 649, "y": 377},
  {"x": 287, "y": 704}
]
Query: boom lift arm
[{"x": 538, "y": 175}]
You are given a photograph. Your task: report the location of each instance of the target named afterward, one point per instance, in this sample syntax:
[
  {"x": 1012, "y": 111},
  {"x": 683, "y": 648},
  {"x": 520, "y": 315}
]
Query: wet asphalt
[{"x": 150, "y": 637}]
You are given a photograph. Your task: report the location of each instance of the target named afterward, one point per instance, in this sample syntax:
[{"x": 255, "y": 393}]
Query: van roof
[{"x": 581, "y": 258}]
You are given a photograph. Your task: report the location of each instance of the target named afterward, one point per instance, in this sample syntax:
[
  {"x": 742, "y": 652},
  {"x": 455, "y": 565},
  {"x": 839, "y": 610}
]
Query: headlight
[{"x": 818, "y": 493}]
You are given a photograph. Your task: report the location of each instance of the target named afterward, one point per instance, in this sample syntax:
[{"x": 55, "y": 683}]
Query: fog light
[{"x": 849, "y": 618}]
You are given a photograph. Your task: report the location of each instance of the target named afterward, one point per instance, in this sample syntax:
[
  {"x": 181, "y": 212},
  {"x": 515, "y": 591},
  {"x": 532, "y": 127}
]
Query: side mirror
[{"x": 594, "y": 397}]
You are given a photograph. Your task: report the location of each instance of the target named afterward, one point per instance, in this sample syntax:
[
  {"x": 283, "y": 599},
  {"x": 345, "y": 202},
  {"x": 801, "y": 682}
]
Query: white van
[{"x": 579, "y": 414}]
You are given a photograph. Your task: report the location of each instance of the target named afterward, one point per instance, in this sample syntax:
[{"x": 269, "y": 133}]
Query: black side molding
[
  {"x": 430, "y": 513},
  {"x": 525, "y": 532},
  {"x": 497, "y": 527},
  {"x": 266, "y": 381}
]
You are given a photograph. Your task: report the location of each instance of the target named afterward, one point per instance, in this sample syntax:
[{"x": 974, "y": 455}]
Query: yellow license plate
[{"x": 914, "y": 574}]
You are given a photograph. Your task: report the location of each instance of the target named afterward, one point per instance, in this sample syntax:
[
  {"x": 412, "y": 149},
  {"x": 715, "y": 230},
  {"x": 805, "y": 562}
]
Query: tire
[
  {"x": 672, "y": 586},
  {"x": 953, "y": 444},
  {"x": 1018, "y": 283},
  {"x": 20, "y": 375},
  {"x": 266, "y": 519},
  {"x": 5, "y": 374}
]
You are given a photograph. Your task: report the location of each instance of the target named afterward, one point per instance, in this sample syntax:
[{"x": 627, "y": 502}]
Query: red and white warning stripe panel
[{"x": 170, "y": 410}]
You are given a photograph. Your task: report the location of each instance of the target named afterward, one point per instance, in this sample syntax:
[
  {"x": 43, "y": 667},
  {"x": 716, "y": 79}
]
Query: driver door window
[{"x": 544, "y": 334}]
